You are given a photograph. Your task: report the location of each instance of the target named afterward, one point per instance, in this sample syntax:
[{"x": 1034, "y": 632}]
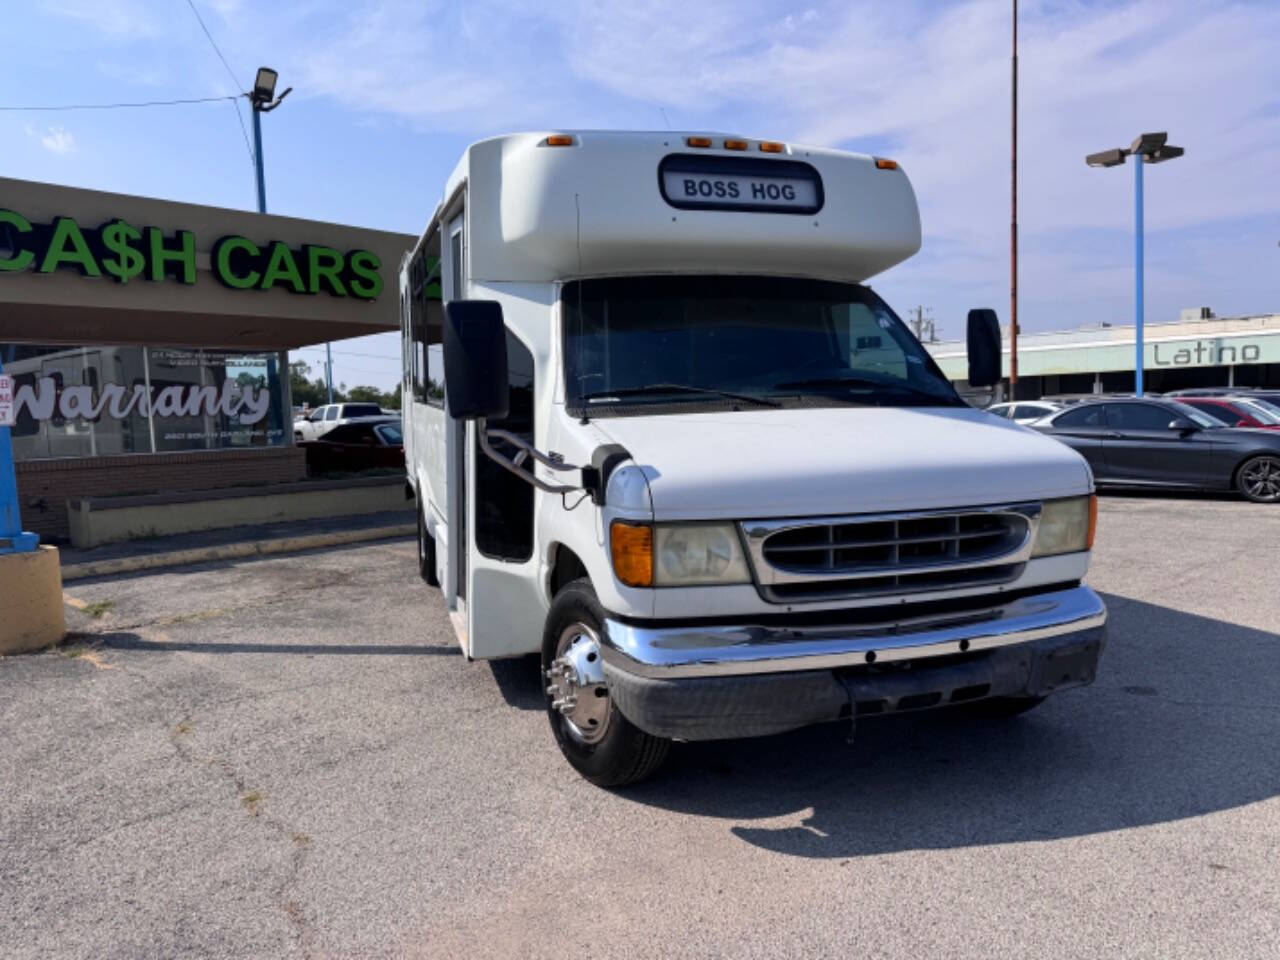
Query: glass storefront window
[{"x": 101, "y": 400}]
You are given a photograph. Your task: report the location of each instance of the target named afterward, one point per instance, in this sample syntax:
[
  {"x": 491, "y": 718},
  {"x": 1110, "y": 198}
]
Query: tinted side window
[
  {"x": 1138, "y": 416},
  {"x": 361, "y": 410},
  {"x": 1090, "y": 416},
  {"x": 331, "y": 413},
  {"x": 1221, "y": 414},
  {"x": 504, "y": 502}
]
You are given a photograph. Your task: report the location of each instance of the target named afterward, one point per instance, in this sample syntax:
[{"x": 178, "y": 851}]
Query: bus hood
[{"x": 811, "y": 462}]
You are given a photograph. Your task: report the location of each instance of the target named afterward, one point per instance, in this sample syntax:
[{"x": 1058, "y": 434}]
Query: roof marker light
[
  {"x": 735, "y": 144},
  {"x": 883, "y": 163},
  {"x": 772, "y": 146},
  {"x": 560, "y": 140},
  {"x": 698, "y": 141}
]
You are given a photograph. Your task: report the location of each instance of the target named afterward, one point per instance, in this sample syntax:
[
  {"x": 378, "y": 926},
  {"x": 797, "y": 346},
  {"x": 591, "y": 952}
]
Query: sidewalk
[{"x": 233, "y": 543}]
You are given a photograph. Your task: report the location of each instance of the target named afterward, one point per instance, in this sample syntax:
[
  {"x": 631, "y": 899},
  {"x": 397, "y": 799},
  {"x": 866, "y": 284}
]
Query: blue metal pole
[
  {"x": 12, "y": 537},
  {"x": 257, "y": 159},
  {"x": 1138, "y": 305}
]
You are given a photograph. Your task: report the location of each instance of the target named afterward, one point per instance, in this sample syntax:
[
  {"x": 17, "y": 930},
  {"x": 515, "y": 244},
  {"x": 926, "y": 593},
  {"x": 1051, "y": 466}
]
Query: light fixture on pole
[
  {"x": 263, "y": 99},
  {"x": 1146, "y": 148}
]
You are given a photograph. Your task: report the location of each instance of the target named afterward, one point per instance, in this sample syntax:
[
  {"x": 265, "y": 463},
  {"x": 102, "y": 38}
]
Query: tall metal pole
[
  {"x": 1013, "y": 220},
  {"x": 1139, "y": 163},
  {"x": 257, "y": 158}
]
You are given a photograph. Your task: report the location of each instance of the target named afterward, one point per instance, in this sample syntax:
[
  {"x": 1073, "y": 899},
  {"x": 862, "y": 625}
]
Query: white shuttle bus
[{"x": 659, "y": 431}]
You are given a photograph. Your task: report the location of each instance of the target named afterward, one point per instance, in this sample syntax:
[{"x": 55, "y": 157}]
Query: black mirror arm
[{"x": 527, "y": 450}]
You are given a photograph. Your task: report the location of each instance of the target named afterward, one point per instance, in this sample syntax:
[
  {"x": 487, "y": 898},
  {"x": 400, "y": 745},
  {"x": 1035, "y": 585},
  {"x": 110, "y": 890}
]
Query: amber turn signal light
[
  {"x": 883, "y": 163},
  {"x": 772, "y": 146},
  {"x": 698, "y": 141},
  {"x": 735, "y": 144},
  {"x": 559, "y": 140},
  {"x": 631, "y": 546}
]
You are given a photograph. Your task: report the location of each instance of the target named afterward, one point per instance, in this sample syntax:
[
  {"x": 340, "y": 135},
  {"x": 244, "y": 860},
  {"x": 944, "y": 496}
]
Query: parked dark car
[
  {"x": 358, "y": 445},
  {"x": 1237, "y": 411},
  {"x": 1163, "y": 443}
]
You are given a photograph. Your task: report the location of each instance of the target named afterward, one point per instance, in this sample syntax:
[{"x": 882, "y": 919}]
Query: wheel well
[{"x": 566, "y": 567}]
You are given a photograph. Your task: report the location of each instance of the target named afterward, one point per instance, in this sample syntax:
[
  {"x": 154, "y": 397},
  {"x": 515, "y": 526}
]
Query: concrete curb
[{"x": 232, "y": 551}]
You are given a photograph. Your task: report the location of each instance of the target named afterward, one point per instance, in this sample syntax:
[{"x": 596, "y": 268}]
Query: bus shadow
[{"x": 1181, "y": 722}]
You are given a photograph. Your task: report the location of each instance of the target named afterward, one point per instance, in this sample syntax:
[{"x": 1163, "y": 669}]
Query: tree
[{"x": 313, "y": 393}]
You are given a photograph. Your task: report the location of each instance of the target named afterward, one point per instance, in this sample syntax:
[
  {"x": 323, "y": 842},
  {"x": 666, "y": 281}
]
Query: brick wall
[{"x": 45, "y": 486}]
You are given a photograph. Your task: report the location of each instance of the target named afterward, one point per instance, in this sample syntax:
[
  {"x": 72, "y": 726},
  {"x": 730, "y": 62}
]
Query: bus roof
[{"x": 608, "y": 203}]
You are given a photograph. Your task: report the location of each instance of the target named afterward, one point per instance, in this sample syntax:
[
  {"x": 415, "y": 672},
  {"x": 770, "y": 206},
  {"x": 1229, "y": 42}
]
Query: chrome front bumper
[{"x": 675, "y": 652}]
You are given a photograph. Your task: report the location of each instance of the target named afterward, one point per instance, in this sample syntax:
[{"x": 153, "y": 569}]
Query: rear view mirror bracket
[{"x": 528, "y": 451}]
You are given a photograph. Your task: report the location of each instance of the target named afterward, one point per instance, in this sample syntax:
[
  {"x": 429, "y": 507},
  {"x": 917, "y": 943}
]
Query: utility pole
[
  {"x": 1013, "y": 220},
  {"x": 921, "y": 323}
]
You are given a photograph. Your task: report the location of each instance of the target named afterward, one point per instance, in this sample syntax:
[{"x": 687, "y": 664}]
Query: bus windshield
[{"x": 686, "y": 340}]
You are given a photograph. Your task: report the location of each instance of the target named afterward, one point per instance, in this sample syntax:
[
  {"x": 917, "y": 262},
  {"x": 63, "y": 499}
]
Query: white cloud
[
  {"x": 929, "y": 82},
  {"x": 54, "y": 139}
]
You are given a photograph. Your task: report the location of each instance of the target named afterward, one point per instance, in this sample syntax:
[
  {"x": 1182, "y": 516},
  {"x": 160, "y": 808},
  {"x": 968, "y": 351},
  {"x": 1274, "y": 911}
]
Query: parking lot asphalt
[{"x": 288, "y": 757}]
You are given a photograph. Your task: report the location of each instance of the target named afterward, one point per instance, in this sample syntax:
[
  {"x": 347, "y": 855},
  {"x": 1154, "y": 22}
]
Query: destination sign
[{"x": 747, "y": 184}]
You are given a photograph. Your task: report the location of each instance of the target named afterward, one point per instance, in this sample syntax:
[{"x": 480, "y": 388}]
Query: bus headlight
[
  {"x": 1066, "y": 526},
  {"x": 697, "y": 553}
]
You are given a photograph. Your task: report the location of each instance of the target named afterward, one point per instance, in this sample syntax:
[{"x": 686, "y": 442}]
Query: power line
[
  {"x": 116, "y": 106},
  {"x": 212, "y": 43},
  {"x": 353, "y": 353},
  {"x": 231, "y": 73}
]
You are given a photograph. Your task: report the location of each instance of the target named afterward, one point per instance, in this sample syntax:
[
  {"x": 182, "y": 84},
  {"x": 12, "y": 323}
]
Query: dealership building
[
  {"x": 1197, "y": 350},
  {"x": 147, "y": 340}
]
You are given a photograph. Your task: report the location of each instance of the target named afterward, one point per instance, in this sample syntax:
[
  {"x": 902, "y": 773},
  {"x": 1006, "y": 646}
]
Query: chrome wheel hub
[
  {"x": 1262, "y": 478},
  {"x": 575, "y": 684}
]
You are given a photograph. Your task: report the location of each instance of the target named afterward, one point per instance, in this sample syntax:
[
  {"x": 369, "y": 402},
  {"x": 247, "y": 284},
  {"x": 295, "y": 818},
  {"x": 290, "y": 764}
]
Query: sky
[{"x": 388, "y": 93}]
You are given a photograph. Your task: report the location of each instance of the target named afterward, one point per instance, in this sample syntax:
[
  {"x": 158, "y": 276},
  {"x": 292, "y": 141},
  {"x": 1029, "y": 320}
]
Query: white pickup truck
[
  {"x": 660, "y": 432},
  {"x": 321, "y": 420}
]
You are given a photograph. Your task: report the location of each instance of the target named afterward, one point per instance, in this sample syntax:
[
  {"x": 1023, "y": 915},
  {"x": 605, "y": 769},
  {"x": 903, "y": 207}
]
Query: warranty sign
[{"x": 6, "y": 400}]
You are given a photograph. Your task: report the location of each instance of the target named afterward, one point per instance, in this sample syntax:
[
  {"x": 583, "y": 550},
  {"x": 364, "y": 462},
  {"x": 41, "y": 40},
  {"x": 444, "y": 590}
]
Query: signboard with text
[{"x": 6, "y": 400}]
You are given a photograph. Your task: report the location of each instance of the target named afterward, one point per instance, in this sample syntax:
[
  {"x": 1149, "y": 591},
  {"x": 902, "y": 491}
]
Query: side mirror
[
  {"x": 475, "y": 360},
  {"x": 984, "y": 348},
  {"x": 1182, "y": 425}
]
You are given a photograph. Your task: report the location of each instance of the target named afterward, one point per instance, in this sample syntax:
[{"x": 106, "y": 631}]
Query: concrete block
[{"x": 31, "y": 613}]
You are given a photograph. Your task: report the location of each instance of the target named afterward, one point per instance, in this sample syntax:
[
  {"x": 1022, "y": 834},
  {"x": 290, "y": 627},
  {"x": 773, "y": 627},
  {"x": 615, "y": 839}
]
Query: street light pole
[
  {"x": 1139, "y": 312},
  {"x": 263, "y": 99},
  {"x": 257, "y": 159},
  {"x": 1147, "y": 148}
]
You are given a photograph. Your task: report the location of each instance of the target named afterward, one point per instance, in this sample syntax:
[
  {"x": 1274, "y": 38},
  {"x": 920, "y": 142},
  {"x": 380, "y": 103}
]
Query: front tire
[
  {"x": 597, "y": 740},
  {"x": 1258, "y": 479}
]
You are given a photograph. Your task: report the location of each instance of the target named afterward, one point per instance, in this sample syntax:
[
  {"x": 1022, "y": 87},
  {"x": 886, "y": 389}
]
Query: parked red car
[
  {"x": 357, "y": 445},
  {"x": 1237, "y": 411}
]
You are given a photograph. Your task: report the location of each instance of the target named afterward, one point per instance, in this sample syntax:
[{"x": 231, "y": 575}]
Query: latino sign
[{"x": 123, "y": 252}]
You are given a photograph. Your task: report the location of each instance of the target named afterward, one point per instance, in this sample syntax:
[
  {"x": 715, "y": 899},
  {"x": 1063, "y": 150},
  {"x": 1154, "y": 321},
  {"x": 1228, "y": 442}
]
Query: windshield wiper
[
  {"x": 652, "y": 388},
  {"x": 855, "y": 380}
]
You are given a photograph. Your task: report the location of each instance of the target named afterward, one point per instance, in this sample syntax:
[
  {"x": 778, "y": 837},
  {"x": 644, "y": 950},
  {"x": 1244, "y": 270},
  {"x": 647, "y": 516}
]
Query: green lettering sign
[
  {"x": 20, "y": 259},
  {"x": 366, "y": 282},
  {"x": 67, "y": 247},
  {"x": 324, "y": 268},
  {"x": 164, "y": 257},
  {"x": 125, "y": 252},
  {"x": 282, "y": 266},
  {"x": 236, "y": 278}
]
